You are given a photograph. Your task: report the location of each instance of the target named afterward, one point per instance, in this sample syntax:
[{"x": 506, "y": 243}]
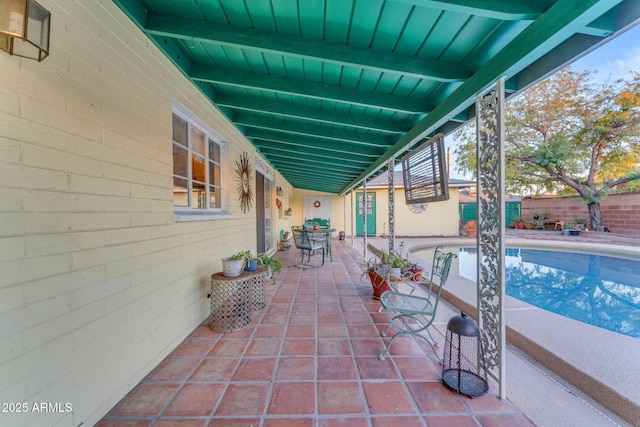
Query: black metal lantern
[{"x": 463, "y": 367}]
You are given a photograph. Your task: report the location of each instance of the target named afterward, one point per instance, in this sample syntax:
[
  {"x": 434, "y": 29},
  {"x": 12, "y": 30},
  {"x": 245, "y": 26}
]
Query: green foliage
[
  {"x": 266, "y": 261},
  {"x": 567, "y": 135}
]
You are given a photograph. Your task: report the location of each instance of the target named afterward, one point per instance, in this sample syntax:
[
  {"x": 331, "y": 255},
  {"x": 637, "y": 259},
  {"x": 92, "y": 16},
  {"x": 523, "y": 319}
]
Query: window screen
[{"x": 424, "y": 173}]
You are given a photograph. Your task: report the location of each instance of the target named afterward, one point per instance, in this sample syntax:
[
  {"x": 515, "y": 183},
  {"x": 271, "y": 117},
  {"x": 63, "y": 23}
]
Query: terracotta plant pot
[{"x": 379, "y": 284}]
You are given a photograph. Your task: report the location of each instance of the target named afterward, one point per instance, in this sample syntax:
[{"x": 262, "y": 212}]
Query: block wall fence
[{"x": 620, "y": 212}]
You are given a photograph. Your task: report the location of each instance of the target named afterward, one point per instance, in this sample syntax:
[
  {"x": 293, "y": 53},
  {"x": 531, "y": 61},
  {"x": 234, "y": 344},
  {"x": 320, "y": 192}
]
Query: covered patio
[
  {"x": 310, "y": 358},
  {"x": 157, "y": 137}
]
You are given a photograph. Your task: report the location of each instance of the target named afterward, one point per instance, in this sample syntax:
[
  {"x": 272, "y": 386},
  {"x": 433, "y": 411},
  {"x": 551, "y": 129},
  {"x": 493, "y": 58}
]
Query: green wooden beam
[
  {"x": 321, "y": 51},
  {"x": 312, "y": 130},
  {"x": 294, "y": 87},
  {"x": 503, "y": 10},
  {"x": 303, "y": 158},
  {"x": 561, "y": 21},
  {"x": 357, "y": 151},
  {"x": 259, "y": 105}
]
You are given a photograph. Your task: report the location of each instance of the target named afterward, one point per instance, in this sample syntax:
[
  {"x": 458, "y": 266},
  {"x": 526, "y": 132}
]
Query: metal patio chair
[
  {"x": 303, "y": 242},
  {"x": 413, "y": 314}
]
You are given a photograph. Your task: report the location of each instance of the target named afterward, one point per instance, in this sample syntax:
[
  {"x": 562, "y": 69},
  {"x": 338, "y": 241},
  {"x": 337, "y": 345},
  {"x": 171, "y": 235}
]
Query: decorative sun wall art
[{"x": 245, "y": 192}]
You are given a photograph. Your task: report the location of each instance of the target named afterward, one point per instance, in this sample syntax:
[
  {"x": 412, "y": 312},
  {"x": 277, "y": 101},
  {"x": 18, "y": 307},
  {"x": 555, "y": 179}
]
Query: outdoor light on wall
[
  {"x": 288, "y": 212},
  {"x": 24, "y": 28}
]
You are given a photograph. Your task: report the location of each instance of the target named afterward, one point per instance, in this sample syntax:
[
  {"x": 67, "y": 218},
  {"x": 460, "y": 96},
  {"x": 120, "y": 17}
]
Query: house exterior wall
[
  {"x": 620, "y": 212},
  {"x": 438, "y": 219},
  {"x": 99, "y": 281}
]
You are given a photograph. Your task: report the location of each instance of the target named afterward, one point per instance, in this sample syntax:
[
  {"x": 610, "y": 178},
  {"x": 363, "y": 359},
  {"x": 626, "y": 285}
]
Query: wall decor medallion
[
  {"x": 316, "y": 204},
  {"x": 418, "y": 208},
  {"x": 245, "y": 192}
]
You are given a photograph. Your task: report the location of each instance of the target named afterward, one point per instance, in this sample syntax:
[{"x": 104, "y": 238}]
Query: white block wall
[{"x": 98, "y": 282}]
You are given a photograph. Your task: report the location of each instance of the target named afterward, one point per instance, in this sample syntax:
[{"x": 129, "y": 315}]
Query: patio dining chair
[
  {"x": 303, "y": 242},
  {"x": 413, "y": 314}
]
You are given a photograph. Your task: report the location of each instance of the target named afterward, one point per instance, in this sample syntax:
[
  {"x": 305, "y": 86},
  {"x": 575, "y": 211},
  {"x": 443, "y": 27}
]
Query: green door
[{"x": 371, "y": 215}]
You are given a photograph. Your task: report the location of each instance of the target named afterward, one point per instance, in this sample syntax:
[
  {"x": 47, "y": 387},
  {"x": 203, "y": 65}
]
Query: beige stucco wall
[
  {"x": 99, "y": 282},
  {"x": 438, "y": 219}
]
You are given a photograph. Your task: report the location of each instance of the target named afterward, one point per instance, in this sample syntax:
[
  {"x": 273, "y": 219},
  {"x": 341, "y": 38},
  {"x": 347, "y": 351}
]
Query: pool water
[{"x": 603, "y": 291}]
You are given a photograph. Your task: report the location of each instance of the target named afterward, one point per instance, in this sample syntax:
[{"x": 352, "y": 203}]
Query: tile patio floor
[{"x": 310, "y": 358}]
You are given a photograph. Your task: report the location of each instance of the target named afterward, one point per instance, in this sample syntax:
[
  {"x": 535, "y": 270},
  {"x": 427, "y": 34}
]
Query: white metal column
[
  {"x": 392, "y": 205},
  {"x": 491, "y": 231}
]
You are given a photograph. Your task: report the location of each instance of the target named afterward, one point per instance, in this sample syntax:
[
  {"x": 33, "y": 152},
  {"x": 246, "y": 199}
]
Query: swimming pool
[{"x": 603, "y": 291}]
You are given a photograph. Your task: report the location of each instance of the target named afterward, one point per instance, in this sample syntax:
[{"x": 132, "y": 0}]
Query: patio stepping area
[{"x": 310, "y": 358}]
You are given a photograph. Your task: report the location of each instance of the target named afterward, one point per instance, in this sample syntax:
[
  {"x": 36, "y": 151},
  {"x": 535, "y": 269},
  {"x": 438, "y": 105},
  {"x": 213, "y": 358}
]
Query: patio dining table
[{"x": 319, "y": 235}]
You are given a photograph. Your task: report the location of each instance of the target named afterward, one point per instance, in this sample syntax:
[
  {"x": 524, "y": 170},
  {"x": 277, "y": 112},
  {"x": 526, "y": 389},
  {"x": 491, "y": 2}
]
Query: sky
[{"x": 615, "y": 59}]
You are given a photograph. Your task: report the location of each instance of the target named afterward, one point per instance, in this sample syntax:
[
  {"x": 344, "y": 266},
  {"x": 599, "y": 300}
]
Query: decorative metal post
[
  {"x": 353, "y": 217},
  {"x": 491, "y": 230},
  {"x": 363, "y": 206},
  {"x": 392, "y": 206}
]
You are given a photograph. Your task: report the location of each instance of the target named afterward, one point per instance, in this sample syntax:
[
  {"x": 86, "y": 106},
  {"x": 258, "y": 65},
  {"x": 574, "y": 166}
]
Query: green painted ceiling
[{"x": 329, "y": 90}]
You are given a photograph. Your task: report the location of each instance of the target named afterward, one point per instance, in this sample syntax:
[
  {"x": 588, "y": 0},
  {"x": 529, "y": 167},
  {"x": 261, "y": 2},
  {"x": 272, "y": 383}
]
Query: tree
[{"x": 569, "y": 134}]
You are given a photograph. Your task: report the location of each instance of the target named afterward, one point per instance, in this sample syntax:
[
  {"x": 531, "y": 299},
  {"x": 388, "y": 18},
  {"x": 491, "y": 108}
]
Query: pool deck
[{"x": 600, "y": 364}]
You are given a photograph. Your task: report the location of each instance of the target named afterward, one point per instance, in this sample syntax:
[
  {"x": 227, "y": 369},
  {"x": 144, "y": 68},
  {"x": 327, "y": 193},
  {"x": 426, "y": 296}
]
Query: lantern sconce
[
  {"x": 279, "y": 191},
  {"x": 288, "y": 212},
  {"x": 25, "y": 28}
]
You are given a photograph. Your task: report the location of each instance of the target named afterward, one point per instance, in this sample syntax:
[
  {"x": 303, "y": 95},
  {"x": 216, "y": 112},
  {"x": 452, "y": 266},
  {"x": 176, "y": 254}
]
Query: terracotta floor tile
[
  {"x": 296, "y": 368},
  {"x": 451, "y": 421},
  {"x": 204, "y": 331},
  {"x": 234, "y": 422},
  {"x": 334, "y": 347},
  {"x": 309, "y": 359},
  {"x": 229, "y": 347},
  {"x": 195, "y": 400},
  {"x": 145, "y": 400},
  {"x": 374, "y": 368},
  {"x": 260, "y": 369},
  {"x": 332, "y": 331},
  {"x": 289, "y": 422},
  {"x": 292, "y": 398},
  {"x": 244, "y": 399},
  {"x": 344, "y": 422},
  {"x": 116, "y": 422},
  {"x": 301, "y": 331},
  {"x": 490, "y": 402},
  {"x": 340, "y": 398},
  {"x": 299, "y": 347},
  {"x": 275, "y": 318},
  {"x": 388, "y": 398},
  {"x": 418, "y": 368},
  {"x": 173, "y": 369},
  {"x": 363, "y": 331},
  {"x": 215, "y": 369},
  {"x": 269, "y": 331},
  {"x": 398, "y": 421},
  {"x": 336, "y": 368},
  {"x": 264, "y": 347},
  {"x": 436, "y": 397},
  {"x": 367, "y": 347},
  {"x": 193, "y": 347},
  {"x": 181, "y": 423},
  {"x": 303, "y": 319}
]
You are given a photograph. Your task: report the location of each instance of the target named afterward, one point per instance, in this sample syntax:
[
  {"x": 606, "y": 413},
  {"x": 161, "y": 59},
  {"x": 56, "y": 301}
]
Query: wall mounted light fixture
[
  {"x": 24, "y": 28},
  {"x": 288, "y": 212}
]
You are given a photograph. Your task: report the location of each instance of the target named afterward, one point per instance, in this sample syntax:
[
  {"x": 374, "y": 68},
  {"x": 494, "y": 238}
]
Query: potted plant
[
  {"x": 232, "y": 266},
  {"x": 517, "y": 221},
  {"x": 472, "y": 228},
  {"x": 252, "y": 262},
  {"x": 377, "y": 274},
  {"x": 530, "y": 225},
  {"x": 540, "y": 215},
  {"x": 273, "y": 265}
]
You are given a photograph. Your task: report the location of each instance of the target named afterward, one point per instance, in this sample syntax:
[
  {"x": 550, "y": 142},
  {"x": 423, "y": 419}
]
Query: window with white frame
[{"x": 197, "y": 165}]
